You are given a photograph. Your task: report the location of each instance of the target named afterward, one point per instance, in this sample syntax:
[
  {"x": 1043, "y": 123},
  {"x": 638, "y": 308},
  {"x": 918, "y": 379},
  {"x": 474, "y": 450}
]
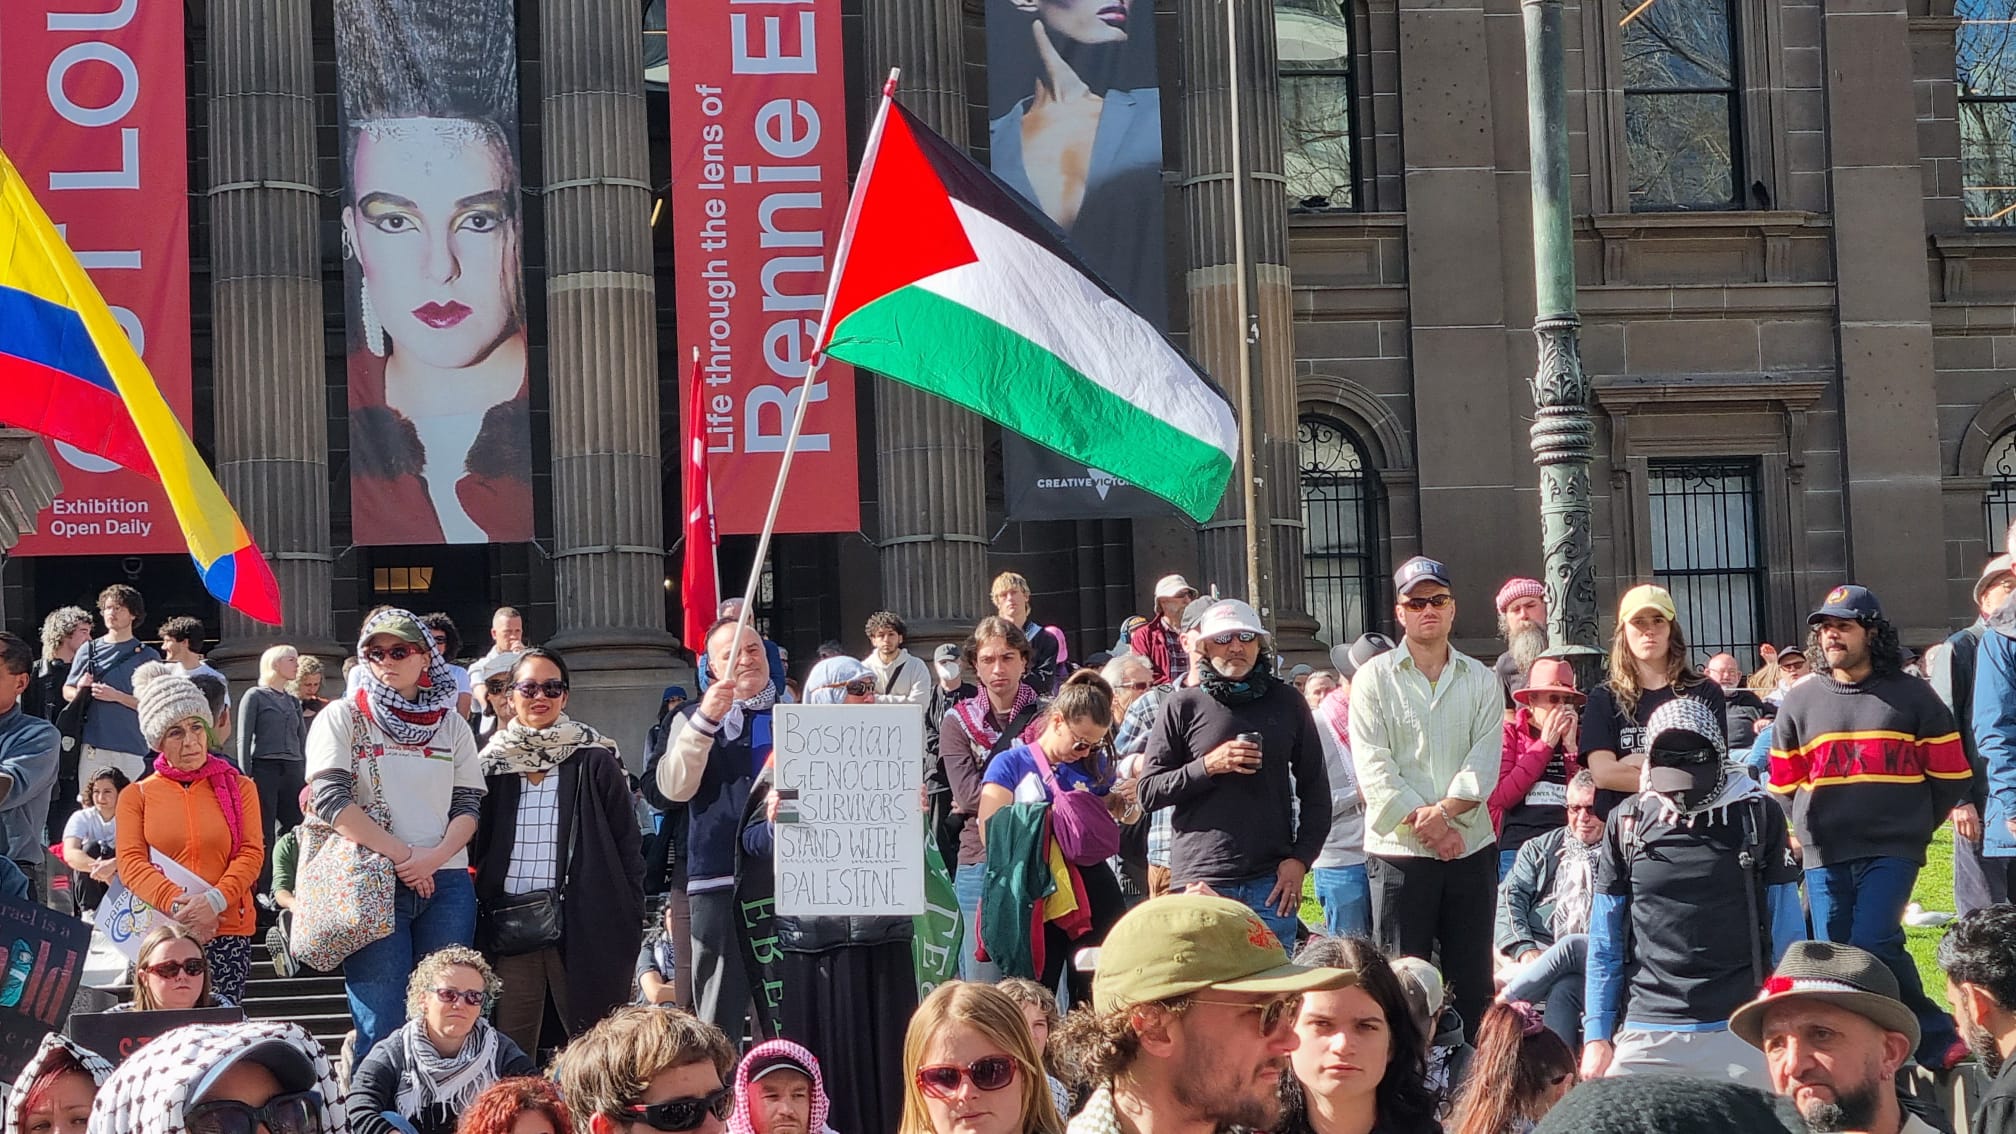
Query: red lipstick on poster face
[
  {"x": 1114, "y": 15},
  {"x": 442, "y": 316}
]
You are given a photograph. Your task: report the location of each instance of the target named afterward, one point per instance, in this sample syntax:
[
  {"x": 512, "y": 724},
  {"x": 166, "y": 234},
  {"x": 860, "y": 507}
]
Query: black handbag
[
  {"x": 70, "y": 718},
  {"x": 515, "y": 924}
]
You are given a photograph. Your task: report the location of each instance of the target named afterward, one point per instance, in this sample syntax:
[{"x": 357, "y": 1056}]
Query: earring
[
  {"x": 374, "y": 331},
  {"x": 349, "y": 249}
]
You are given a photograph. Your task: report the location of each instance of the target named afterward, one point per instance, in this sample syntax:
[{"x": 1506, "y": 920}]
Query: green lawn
[{"x": 1934, "y": 892}]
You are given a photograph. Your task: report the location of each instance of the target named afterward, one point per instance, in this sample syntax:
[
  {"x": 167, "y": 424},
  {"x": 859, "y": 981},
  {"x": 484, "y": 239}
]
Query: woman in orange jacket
[{"x": 197, "y": 810}]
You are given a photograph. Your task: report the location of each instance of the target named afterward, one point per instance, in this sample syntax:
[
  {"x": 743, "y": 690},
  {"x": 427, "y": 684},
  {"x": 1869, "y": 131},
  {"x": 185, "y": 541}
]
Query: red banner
[
  {"x": 759, "y": 189},
  {"x": 91, "y": 109}
]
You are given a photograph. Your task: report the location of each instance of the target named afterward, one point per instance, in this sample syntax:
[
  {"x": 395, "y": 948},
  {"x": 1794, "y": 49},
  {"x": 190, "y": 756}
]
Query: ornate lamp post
[{"x": 1564, "y": 433}]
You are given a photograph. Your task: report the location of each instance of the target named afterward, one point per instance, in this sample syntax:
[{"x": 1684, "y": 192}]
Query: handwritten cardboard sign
[
  {"x": 45, "y": 964},
  {"x": 117, "y": 1035},
  {"x": 849, "y": 830}
]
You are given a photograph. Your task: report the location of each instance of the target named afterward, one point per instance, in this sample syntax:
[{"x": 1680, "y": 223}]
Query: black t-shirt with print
[
  {"x": 1544, "y": 808},
  {"x": 1606, "y": 727},
  {"x": 1686, "y": 959}
]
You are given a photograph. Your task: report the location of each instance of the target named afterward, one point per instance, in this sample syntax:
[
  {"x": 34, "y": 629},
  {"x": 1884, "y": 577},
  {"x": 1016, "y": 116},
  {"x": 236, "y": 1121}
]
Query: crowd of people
[{"x": 1664, "y": 896}]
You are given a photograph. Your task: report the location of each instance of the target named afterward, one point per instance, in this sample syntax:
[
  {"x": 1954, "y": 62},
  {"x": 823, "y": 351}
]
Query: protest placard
[
  {"x": 126, "y": 919},
  {"x": 117, "y": 1035},
  {"x": 45, "y": 964},
  {"x": 850, "y": 829}
]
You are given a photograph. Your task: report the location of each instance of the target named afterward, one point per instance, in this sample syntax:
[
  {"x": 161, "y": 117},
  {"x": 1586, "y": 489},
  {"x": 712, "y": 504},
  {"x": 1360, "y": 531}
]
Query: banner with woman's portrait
[
  {"x": 1074, "y": 108},
  {"x": 432, "y": 228}
]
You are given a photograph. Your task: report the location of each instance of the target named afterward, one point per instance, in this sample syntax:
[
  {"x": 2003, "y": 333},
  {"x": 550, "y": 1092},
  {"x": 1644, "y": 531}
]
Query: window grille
[
  {"x": 1707, "y": 550},
  {"x": 1341, "y": 542}
]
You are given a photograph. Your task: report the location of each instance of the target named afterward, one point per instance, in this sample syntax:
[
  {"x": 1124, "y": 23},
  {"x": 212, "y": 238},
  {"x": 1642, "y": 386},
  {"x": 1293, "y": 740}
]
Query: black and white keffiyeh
[
  {"x": 54, "y": 1043},
  {"x": 522, "y": 749},
  {"x": 452, "y": 1081},
  {"x": 150, "y": 1092},
  {"x": 410, "y": 722}
]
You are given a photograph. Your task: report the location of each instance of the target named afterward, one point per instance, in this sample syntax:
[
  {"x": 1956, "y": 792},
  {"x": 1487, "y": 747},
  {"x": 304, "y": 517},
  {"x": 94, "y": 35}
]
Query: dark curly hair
[
  {"x": 1406, "y": 1104},
  {"x": 1886, "y": 650}
]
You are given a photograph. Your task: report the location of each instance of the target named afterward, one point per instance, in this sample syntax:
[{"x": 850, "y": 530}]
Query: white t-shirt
[
  {"x": 87, "y": 826},
  {"x": 419, "y": 782}
]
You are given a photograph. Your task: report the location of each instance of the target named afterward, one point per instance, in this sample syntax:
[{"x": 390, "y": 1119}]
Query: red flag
[{"x": 699, "y": 576}]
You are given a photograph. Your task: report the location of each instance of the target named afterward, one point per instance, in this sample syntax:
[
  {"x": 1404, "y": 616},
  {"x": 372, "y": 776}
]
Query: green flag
[{"x": 934, "y": 942}]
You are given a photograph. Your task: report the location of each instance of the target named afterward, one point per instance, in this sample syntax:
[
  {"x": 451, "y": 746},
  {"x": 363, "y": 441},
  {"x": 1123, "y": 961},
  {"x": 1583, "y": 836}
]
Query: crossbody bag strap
[{"x": 1012, "y": 731}]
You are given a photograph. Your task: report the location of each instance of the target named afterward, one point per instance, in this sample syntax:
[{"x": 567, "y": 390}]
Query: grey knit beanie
[{"x": 166, "y": 695}]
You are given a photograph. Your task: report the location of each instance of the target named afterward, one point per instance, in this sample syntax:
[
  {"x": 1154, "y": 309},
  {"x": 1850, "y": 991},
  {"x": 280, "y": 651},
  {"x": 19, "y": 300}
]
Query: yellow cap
[
  {"x": 1646, "y": 596},
  {"x": 1184, "y": 943}
]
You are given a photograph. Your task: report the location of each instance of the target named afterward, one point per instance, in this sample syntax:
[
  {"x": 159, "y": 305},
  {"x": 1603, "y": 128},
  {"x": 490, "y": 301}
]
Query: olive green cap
[{"x": 1185, "y": 943}]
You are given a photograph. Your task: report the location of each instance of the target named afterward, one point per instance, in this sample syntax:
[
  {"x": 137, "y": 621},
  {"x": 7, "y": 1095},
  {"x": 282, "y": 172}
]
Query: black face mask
[{"x": 1704, "y": 769}]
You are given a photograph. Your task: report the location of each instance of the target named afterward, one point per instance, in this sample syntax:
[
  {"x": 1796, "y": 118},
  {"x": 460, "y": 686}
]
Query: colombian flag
[{"x": 68, "y": 372}]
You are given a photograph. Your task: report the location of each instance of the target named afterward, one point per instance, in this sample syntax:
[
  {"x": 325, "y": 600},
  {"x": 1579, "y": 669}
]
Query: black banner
[{"x": 45, "y": 964}]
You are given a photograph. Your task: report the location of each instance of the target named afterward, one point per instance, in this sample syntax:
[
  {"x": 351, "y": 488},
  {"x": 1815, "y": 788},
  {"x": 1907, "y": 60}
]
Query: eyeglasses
[
  {"x": 473, "y": 997},
  {"x": 1420, "y": 604},
  {"x": 678, "y": 1115},
  {"x": 169, "y": 970},
  {"x": 1793, "y": 662},
  {"x": 397, "y": 653},
  {"x": 1229, "y": 636},
  {"x": 1136, "y": 686},
  {"x": 991, "y": 1073},
  {"x": 551, "y": 688},
  {"x": 860, "y": 687},
  {"x": 1273, "y": 1013},
  {"x": 298, "y": 1113},
  {"x": 499, "y": 684}
]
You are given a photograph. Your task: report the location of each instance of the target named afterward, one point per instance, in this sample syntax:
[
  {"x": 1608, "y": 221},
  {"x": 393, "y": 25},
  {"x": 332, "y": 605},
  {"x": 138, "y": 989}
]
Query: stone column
[
  {"x": 272, "y": 410},
  {"x": 1213, "y": 282},
  {"x": 601, "y": 352},
  {"x": 1889, "y": 396},
  {"x": 929, "y": 452}
]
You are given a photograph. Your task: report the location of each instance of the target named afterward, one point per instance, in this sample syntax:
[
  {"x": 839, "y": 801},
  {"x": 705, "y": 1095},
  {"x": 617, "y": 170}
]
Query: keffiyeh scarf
[
  {"x": 410, "y": 722},
  {"x": 522, "y": 749},
  {"x": 54, "y": 1045},
  {"x": 975, "y": 716},
  {"x": 149, "y": 1093},
  {"x": 1574, "y": 887},
  {"x": 738, "y": 715},
  {"x": 451, "y": 1081}
]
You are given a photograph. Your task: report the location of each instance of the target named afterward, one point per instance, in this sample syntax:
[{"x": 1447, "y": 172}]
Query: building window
[
  {"x": 1707, "y": 550},
  {"x": 1680, "y": 104},
  {"x": 1985, "y": 68},
  {"x": 2000, "y": 469},
  {"x": 1341, "y": 540},
  {"x": 402, "y": 580},
  {"x": 1313, "y": 40}
]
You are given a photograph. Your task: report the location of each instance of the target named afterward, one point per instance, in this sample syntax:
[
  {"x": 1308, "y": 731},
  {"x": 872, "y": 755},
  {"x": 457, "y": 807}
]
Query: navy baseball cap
[
  {"x": 1418, "y": 570},
  {"x": 1848, "y": 601}
]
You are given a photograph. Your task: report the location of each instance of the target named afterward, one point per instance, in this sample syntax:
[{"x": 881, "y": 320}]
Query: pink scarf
[
  {"x": 1335, "y": 709},
  {"x": 223, "y": 783}
]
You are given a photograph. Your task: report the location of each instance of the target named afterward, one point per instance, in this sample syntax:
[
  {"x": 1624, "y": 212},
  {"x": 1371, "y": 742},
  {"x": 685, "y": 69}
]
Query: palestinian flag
[{"x": 946, "y": 280}]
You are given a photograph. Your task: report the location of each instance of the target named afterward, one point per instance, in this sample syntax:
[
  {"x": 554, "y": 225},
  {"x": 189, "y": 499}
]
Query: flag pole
[
  {"x": 1247, "y": 332},
  {"x": 811, "y": 373}
]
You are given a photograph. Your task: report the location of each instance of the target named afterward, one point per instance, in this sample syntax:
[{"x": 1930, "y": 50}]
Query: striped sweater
[{"x": 1873, "y": 767}]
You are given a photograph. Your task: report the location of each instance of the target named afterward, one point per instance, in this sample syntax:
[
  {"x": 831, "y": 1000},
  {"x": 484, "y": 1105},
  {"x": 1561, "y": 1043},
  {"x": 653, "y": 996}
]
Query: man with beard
[
  {"x": 1522, "y": 623},
  {"x": 1833, "y": 1034},
  {"x": 1872, "y": 765},
  {"x": 778, "y": 1090},
  {"x": 1161, "y": 641},
  {"x": 1193, "y": 1017},
  {"x": 1233, "y": 758},
  {"x": 1695, "y": 892},
  {"x": 1978, "y": 955},
  {"x": 1427, "y": 729}
]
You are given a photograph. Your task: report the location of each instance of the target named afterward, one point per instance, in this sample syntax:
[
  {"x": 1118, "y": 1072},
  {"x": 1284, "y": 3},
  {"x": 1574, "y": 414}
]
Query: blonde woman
[
  {"x": 430, "y": 1071},
  {"x": 272, "y": 740},
  {"x": 1648, "y": 668},
  {"x": 971, "y": 1067},
  {"x": 171, "y": 973},
  {"x": 307, "y": 687}
]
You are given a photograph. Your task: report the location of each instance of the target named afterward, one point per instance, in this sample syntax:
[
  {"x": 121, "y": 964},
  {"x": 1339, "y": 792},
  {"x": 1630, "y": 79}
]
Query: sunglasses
[
  {"x": 473, "y": 997},
  {"x": 1420, "y": 604},
  {"x": 298, "y": 1113},
  {"x": 1273, "y": 1013},
  {"x": 169, "y": 970},
  {"x": 1230, "y": 636},
  {"x": 942, "y": 1080},
  {"x": 1079, "y": 744},
  {"x": 397, "y": 653},
  {"x": 679, "y": 1115},
  {"x": 551, "y": 688},
  {"x": 860, "y": 687}
]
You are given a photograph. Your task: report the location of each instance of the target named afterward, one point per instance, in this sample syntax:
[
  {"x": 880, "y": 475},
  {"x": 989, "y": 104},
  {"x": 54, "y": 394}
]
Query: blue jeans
[
  {"x": 1861, "y": 902},
  {"x": 374, "y": 978},
  {"x": 967, "y": 884},
  {"x": 1505, "y": 860},
  {"x": 1347, "y": 900},
  {"x": 1253, "y": 893}
]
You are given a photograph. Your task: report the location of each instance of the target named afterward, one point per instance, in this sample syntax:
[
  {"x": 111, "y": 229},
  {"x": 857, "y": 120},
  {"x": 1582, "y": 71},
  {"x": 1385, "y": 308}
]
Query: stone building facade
[{"x": 1803, "y": 346}]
